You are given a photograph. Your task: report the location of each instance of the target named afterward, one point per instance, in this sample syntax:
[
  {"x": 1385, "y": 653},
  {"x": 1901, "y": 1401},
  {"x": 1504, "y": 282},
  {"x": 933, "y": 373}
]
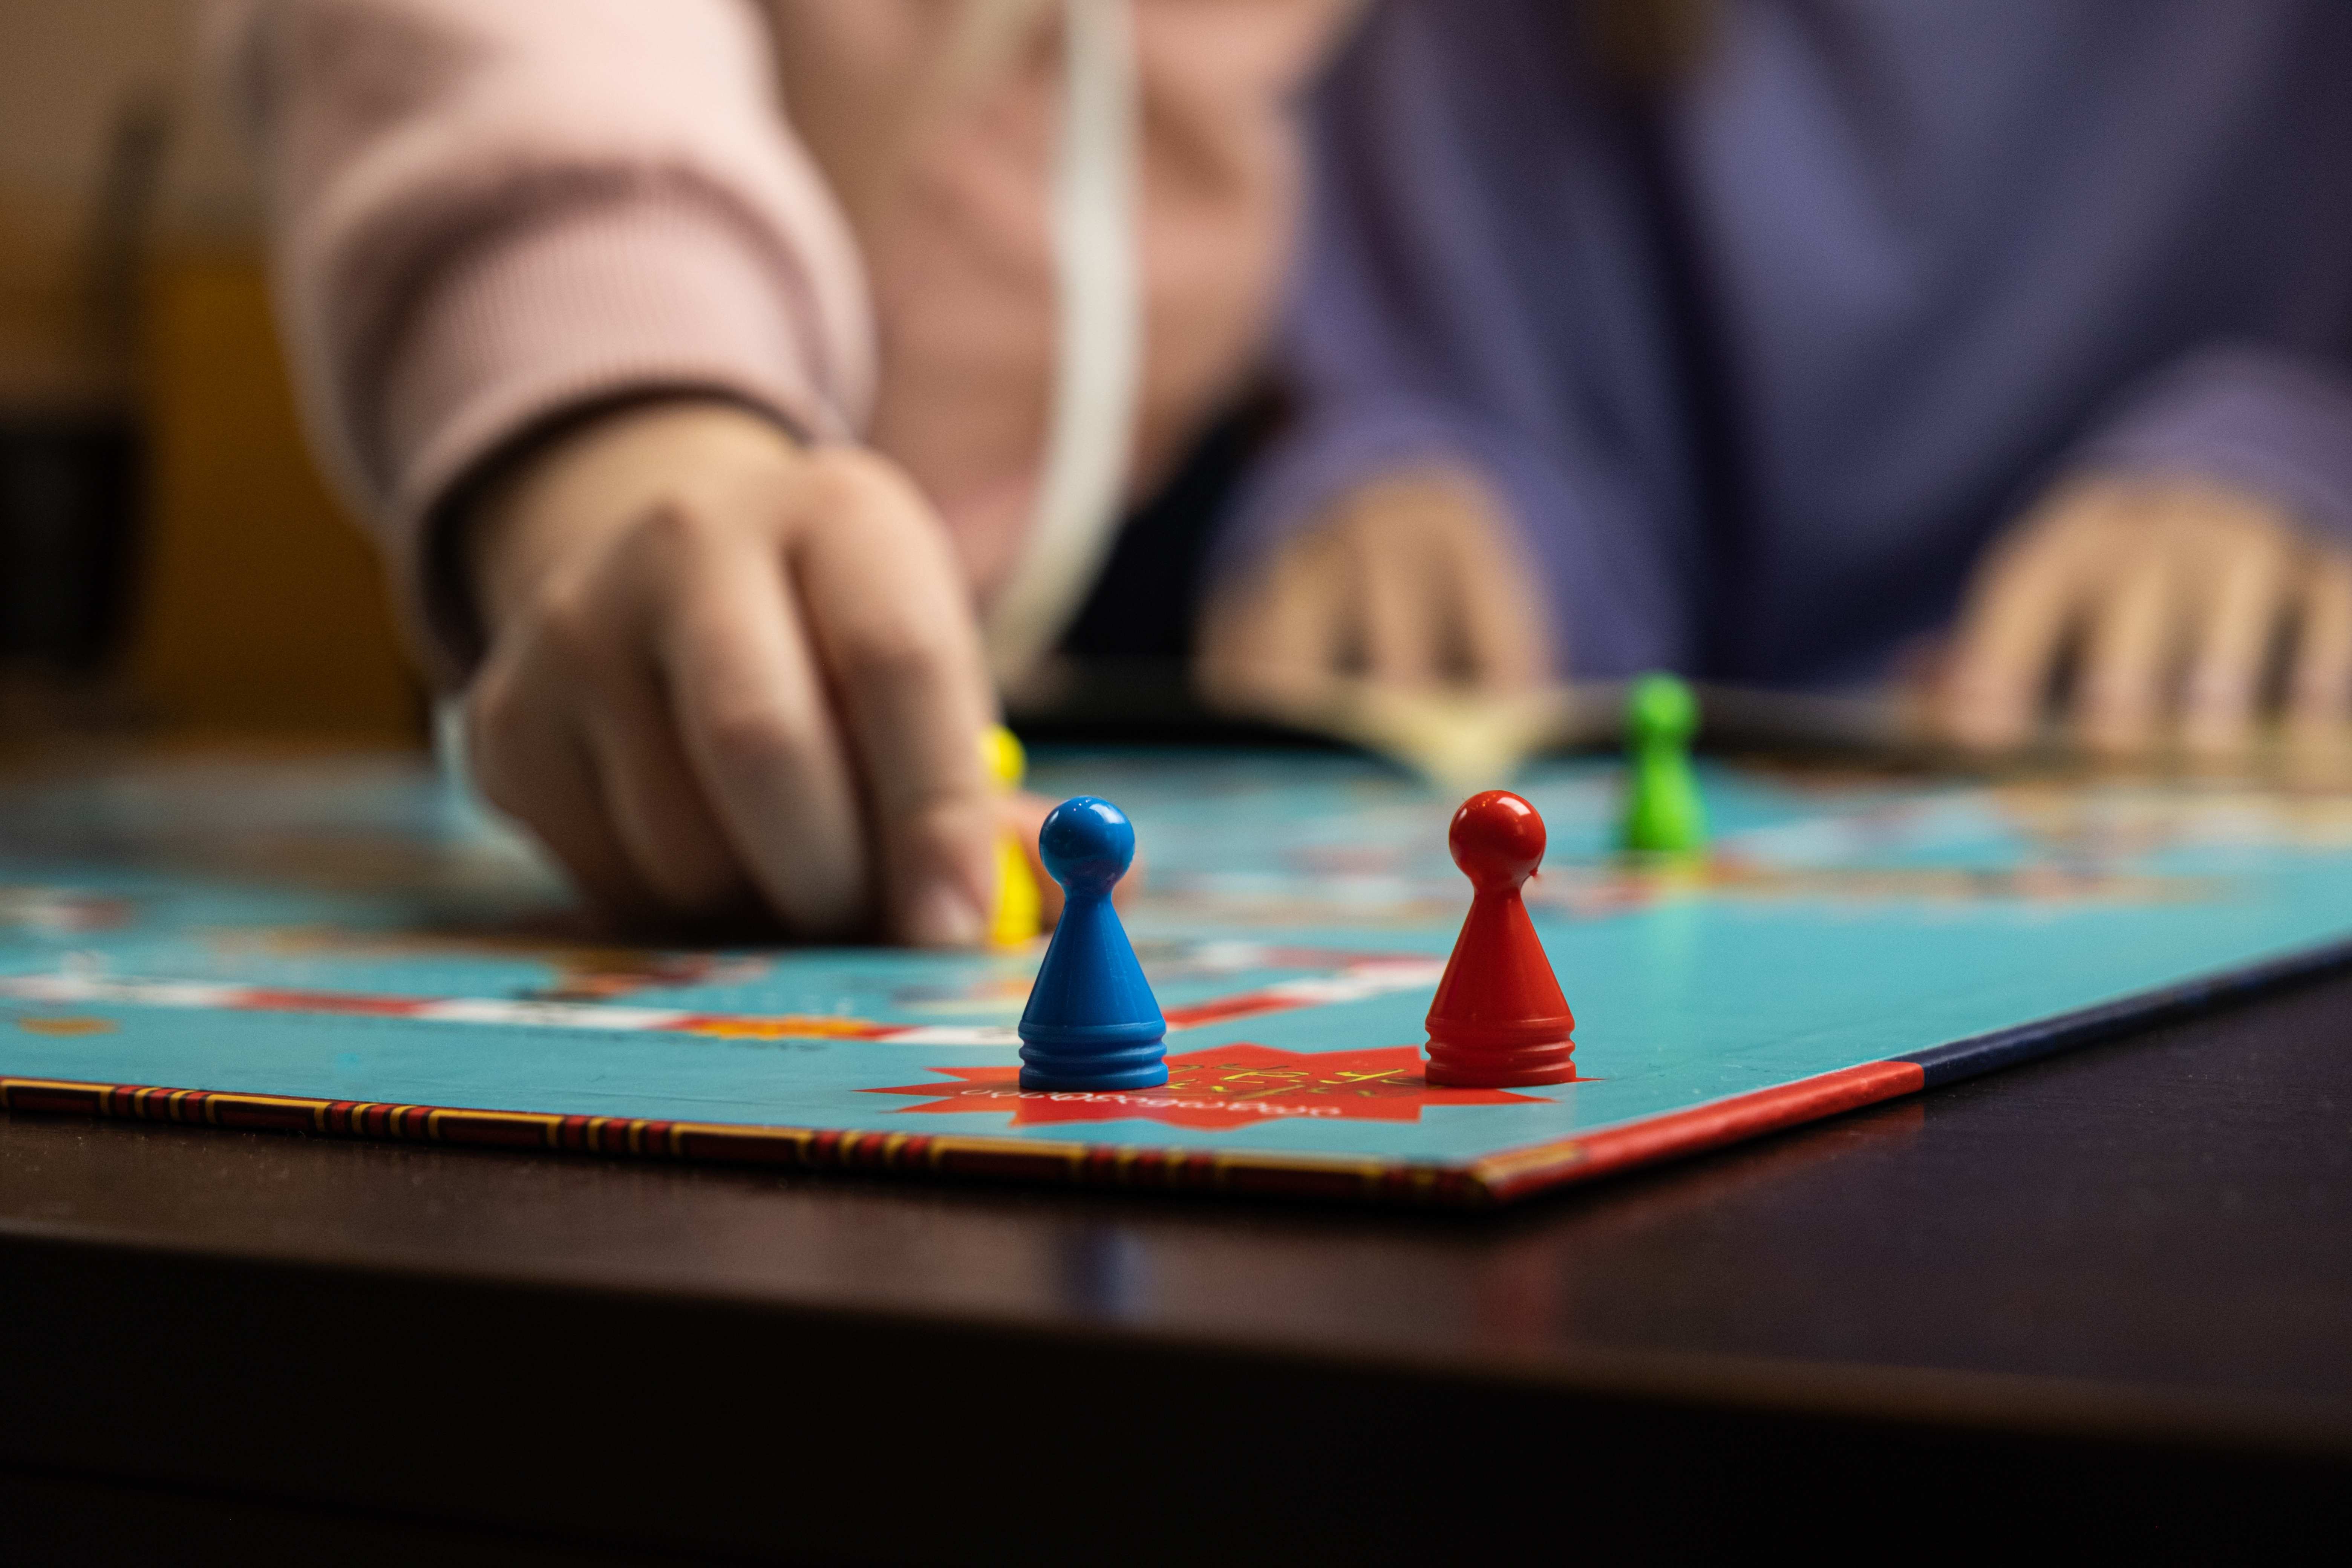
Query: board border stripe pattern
[{"x": 1495, "y": 1179}]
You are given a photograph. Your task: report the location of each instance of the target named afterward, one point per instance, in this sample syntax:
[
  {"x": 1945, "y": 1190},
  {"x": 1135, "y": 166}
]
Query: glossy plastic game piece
[
  {"x": 1019, "y": 914},
  {"x": 1092, "y": 1022},
  {"x": 1664, "y": 812},
  {"x": 1498, "y": 1020}
]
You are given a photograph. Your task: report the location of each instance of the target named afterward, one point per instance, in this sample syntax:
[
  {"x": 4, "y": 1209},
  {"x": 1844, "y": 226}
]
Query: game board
[{"x": 344, "y": 947}]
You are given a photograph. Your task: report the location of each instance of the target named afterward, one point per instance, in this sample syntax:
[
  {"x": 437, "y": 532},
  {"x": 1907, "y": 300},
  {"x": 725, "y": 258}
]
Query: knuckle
[
  {"x": 678, "y": 522},
  {"x": 849, "y": 478},
  {"x": 898, "y": 653},
  {"x": 568, "y": 627},
  {"x": 847, "y": 465},
  {"x": 751, "y": 740}
]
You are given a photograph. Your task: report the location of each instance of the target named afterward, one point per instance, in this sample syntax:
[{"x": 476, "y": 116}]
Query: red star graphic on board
[{"x": 1238, "y": 1085}]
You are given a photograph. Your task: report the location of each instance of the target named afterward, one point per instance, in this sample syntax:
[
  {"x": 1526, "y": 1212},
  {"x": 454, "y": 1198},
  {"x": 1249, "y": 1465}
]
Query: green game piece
[{"x": 1663, "y": 813}]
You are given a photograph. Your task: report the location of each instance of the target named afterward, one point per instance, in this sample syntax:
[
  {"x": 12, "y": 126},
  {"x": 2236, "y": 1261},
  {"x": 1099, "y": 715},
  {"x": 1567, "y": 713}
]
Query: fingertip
[
  {"x": 2218, "y": 713},
  {"x": 1981, "y": 712},
  {"x": 1978, "y": 731},
  {"x": 1988, "y": 682},
  {"x": 2114, "y": 728},
  {"x": 2319, "y": 701},
  {"x": 942, "y": 911},
  {"x": 941, "y": 863}
]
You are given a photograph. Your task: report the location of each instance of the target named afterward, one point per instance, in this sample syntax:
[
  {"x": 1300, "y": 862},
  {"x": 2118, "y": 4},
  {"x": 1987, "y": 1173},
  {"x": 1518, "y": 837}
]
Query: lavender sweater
[{"x": 1761, "y": 366}]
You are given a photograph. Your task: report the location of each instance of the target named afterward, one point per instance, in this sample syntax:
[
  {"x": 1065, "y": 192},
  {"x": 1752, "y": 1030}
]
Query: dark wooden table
[{"x": 2108, "y": 1294}]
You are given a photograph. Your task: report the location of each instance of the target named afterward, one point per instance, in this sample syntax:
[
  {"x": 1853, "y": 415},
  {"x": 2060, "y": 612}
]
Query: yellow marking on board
[
  {"x": 787, "y": 1027},
  {"x": 66, "y": 1028}
]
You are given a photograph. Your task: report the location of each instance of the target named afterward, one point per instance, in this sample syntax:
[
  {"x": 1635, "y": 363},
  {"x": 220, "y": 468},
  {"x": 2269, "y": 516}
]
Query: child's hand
[
  {"x": 2173, "y": 598},
  {"x": 1412, "y": 581},
  {"x": 725, "y": 671}
]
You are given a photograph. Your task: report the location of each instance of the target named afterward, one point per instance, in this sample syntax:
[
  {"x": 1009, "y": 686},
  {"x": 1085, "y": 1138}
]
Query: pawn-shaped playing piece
[
  {"x": 1019, "y": 914},
  {"x": 1663, "y": 813},
  {"x": 1498, "y": 1020},
  {"x": 1092, "y": 1022}
]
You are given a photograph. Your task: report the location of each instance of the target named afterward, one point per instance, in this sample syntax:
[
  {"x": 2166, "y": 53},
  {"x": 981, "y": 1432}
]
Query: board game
[{"x": 346, "y": 946}]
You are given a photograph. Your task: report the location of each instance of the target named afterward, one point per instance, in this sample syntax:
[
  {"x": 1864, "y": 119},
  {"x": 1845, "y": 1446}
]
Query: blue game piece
[{"x": 1092, "y": 1021}]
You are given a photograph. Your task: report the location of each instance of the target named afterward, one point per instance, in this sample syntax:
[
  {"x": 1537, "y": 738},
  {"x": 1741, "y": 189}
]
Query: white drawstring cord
[{"x": 1099, "y": 322}]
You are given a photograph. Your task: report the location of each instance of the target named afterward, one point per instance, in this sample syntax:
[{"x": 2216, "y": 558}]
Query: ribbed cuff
[
  {"x": 641, "y": 296},
  {"x": 2270, "y": 420}
]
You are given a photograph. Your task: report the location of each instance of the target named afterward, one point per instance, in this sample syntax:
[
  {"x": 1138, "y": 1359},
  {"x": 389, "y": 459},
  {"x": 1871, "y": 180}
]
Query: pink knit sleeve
[{"x": 487, "y": 212}]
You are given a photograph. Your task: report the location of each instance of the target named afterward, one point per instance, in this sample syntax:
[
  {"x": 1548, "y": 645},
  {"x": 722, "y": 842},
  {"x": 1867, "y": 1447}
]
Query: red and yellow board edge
[
  {"x": 1493, "y": 1179},
  {"x": 1517, "y": 1172}
]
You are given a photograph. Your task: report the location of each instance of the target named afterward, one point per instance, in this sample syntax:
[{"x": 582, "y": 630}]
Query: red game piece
[{"x": 1498, "y": 1020}]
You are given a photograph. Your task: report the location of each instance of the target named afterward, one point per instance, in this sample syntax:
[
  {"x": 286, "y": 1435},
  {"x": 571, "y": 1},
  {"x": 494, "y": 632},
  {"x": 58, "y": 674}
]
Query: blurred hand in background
[
  {"x": 2155, "y": 609},
  {"x": 1413, "y": 580}
]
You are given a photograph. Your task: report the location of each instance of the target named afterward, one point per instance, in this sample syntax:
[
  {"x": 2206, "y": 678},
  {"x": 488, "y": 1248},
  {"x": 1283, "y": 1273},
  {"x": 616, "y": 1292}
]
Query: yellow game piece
[
  {"x": 1019, "y": 911},
  {"x": 1001, "y": 753}
]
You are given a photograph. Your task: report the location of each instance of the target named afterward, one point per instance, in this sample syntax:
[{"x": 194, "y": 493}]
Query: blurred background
[{"x": 172, "y": 565}]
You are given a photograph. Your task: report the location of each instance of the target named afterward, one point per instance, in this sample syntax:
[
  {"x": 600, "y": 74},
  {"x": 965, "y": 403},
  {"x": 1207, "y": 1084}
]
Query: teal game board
[{"x": 345, "y": 948}]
